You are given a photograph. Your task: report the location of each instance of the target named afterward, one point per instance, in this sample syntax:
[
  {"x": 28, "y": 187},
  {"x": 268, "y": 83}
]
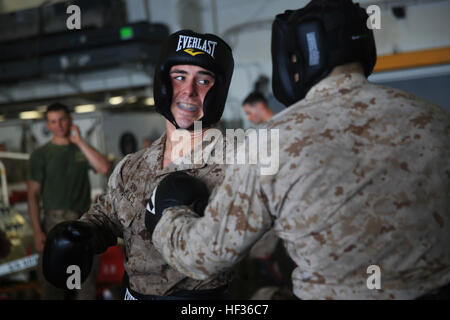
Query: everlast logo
[{"x": 189, "y": 44}]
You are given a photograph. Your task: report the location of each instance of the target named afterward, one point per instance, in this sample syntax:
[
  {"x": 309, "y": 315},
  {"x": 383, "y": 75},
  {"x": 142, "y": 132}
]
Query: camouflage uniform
[
  {"x": 122, "y": 211},
  {"x": 364, "y": 179}
]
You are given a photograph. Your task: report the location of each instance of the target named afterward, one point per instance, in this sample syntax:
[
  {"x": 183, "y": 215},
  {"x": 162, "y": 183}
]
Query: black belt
[
  {"x": 219, "y": 293},
  {"x": 210, "y": 294}
]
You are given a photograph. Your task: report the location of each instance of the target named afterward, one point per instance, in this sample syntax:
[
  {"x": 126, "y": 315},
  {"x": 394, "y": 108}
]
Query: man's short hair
[
  {"x": 255, "y": 97},
  {"x": 57, "y": 106}
]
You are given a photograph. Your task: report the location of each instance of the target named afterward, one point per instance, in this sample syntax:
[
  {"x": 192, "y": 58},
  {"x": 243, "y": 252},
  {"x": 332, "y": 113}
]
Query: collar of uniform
[
  {"x": 334, "y": 84},
  {"x": 198, "y": 158}
]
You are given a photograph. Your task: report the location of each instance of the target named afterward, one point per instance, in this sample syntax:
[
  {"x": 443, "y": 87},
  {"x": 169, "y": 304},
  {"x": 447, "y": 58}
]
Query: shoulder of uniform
[{"x": 130, "y": 162}]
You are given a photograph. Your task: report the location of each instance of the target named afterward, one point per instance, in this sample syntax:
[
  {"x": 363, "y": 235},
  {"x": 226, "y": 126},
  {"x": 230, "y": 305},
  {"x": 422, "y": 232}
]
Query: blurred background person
[
  {"x": 146, "y": 142},
  {"x": 58, "y": 175},
  {"x": 256, "y": 108}
]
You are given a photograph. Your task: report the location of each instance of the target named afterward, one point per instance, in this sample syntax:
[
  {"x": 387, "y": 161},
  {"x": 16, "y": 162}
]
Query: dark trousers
[{"x": 443, "y": 293}]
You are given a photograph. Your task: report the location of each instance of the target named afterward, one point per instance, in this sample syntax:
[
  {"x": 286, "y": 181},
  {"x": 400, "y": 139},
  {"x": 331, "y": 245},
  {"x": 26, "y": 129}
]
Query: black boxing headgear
[
  {"x": 308, "y": 43},
  {"x": 204, "y": 50}
]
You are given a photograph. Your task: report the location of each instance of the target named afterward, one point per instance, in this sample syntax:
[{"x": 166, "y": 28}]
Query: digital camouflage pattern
[
  {"x": 364, "y": 179},
  {"x": 121, "y": 211}
]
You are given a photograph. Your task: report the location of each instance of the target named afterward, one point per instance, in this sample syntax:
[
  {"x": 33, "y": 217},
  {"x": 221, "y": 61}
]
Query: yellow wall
[{"x": 413, "y": 59}]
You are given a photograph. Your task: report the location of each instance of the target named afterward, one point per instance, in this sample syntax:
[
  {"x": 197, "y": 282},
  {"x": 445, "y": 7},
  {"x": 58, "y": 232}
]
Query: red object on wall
[
  {"x": 111, "y": 266},
  {"x": 18, "y": 196}
]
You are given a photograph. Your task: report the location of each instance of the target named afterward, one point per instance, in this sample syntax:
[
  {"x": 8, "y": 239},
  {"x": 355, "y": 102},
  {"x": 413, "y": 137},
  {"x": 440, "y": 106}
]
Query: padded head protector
[
  {"x": 205, "y": 50},
  {"x": 308, "y": 43}
]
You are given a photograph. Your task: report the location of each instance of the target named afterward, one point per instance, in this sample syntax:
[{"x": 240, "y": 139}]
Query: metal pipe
[
  {"x": 4, "y": 185},
  {"x": 214, "y": 17},
  {"x": 14, "y": 155}
]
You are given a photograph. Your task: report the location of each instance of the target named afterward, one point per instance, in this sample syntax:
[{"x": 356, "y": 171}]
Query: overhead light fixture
[
  {"x": 41, "y": 108},
  {"x": 116, "y": 100},
  {"x": 30, "y": 115},
  {"x": 132, "y": 99},
  {"x": 85, "y": 108},
  {"x": 149, "y": 101}
]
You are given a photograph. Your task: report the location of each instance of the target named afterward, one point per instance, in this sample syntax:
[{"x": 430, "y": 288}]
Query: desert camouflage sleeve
[
  {"x": 236, "y": 217},
  {"x": 103, "y": 214}
]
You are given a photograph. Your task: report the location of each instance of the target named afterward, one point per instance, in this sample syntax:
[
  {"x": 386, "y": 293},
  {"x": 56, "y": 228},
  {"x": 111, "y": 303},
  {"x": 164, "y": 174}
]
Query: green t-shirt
[{"x": 62, "y": 172}]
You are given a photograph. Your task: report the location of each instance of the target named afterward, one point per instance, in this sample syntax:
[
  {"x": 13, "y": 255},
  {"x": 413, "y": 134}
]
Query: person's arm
[
  {"x": 76, "y": 241},
  {"x": 103, "y": 220},
  {"x": 104, "y": 213},
  {"x": 34, "y": 196},
  {"x": 98, "y": 161},
  {"x": 235, "y": 218}
]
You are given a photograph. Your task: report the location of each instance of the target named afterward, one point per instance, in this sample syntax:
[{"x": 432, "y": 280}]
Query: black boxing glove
[
  {"x": 176, "y": 189},
  {"x": 68, "y": 243}
]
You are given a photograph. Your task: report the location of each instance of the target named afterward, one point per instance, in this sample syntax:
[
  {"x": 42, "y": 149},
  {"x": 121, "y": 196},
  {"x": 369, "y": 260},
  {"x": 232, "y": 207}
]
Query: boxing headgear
[
  {"x": 313, "y": 40},
  {"x": 204, "y": 50}
]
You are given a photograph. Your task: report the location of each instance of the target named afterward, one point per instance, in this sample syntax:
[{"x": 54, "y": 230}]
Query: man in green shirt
[{"x": 58, "y": 174}]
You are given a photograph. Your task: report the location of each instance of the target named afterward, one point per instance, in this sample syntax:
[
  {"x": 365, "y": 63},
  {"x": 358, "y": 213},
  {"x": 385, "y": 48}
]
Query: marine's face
[
  {"x": 190, "y": 85},
  {"x": 253, "y": 113},
  {"x": 59, "y": 123}
]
